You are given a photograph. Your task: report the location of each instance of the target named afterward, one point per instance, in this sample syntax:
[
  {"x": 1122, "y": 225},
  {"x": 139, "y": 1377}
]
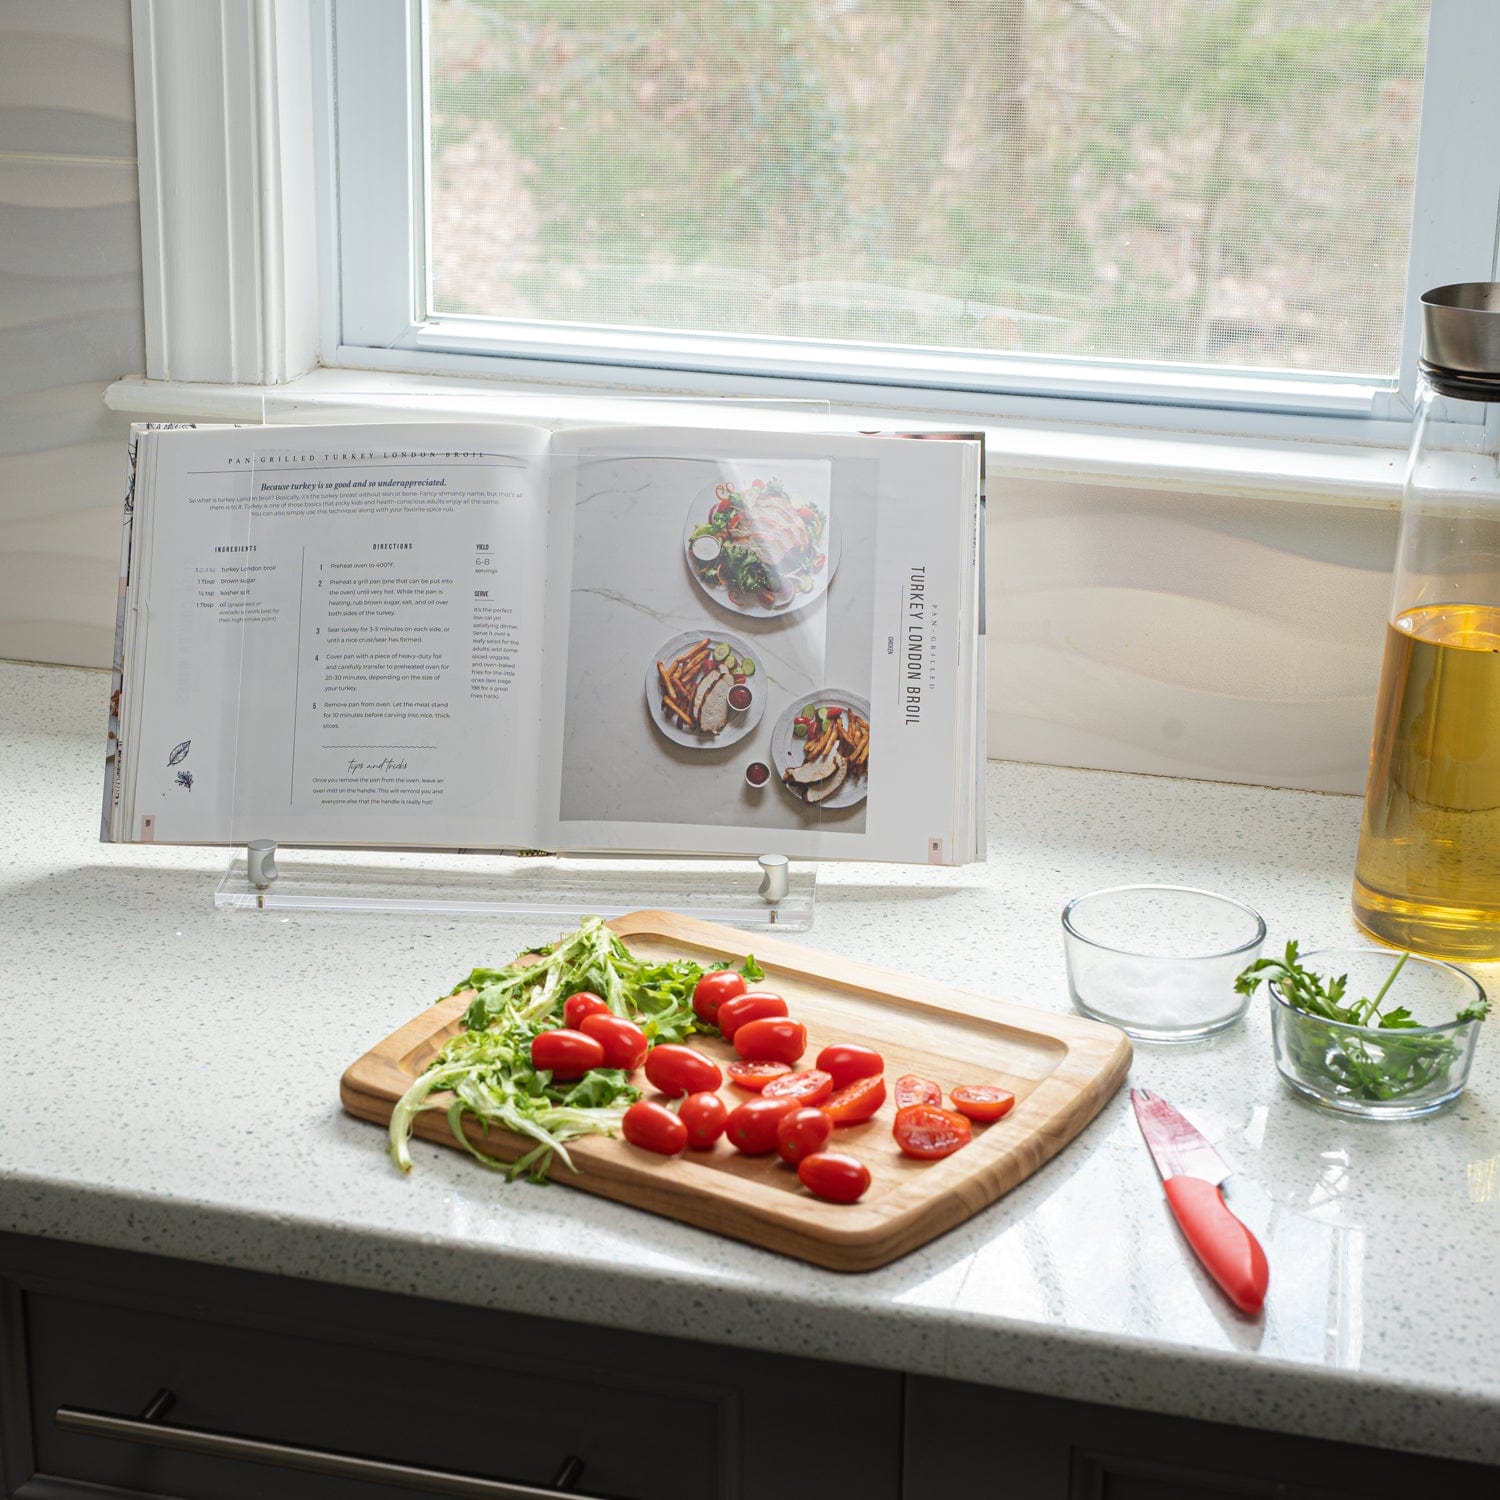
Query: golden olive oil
[{"x": 1428, "y": 872}]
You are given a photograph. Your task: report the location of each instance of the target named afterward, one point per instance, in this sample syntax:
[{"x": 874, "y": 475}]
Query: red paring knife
[{"x": 1191, "y": 1173}]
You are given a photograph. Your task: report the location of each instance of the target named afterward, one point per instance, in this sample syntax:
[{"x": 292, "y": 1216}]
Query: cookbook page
[
  {"x": 338, "y": 631},
  {"x": 752, "y": 643}
]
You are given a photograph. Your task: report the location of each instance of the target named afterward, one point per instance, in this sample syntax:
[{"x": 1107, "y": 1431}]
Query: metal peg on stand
[
  {"x": 775, "y": 883},
  {"x": 260, "y": 863}
]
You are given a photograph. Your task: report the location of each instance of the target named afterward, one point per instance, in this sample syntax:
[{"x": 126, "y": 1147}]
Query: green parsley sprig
[{"x": 1360, "y": 1064}]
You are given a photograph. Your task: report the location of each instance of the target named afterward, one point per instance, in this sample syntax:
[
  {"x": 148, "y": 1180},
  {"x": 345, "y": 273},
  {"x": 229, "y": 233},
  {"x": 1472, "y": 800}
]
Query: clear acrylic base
[{"x": 719, "y": 890}]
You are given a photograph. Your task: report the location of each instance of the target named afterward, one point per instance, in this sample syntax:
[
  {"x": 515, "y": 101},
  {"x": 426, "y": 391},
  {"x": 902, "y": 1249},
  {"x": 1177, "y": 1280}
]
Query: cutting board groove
[{"x": 1062, "y": 1069}]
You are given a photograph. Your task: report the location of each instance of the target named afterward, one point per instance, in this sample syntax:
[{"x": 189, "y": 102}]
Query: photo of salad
[
  {"x": 758, "y": 548},
  {"x": 820, "y": 749},
  {"x": 702, "y": 690}
]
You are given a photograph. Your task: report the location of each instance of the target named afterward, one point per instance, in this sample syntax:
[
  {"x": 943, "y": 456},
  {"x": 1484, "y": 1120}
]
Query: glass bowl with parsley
[{"x": 1370, "y": 1032}]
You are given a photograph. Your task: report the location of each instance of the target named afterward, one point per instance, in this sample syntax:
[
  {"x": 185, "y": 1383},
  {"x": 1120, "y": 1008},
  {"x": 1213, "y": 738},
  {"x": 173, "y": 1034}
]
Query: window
[{"x": 1135, "y": 203}]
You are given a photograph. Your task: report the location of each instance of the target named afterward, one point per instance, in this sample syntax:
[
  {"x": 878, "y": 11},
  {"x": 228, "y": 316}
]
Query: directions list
[{"x": 350, "y": 645}]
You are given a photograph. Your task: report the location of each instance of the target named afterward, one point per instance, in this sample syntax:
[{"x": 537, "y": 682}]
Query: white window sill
[{"x": 1332, "y": 473}]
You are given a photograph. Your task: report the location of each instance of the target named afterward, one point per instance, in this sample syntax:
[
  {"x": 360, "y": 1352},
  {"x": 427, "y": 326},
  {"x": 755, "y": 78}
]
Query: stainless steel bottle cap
[{"x": 1461, "y": 329}]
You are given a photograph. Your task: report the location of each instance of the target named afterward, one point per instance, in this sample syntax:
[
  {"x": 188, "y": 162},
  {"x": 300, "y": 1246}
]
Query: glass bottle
[{"x": 1427, "y": 876}]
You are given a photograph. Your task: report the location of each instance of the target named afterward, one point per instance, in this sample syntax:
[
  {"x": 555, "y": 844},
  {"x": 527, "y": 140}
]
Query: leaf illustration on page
[{"x": 180, "y": 753}]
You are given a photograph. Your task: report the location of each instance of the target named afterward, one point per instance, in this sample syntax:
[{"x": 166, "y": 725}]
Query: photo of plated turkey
[
  {"x": 760, "y": 547},
  {"x": 702, "y": 690},
  {"x": 820, "y": 749}
]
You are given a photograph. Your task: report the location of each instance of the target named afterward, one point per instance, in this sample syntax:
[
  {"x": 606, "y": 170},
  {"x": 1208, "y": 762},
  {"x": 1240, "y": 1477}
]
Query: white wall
[
  {"x": 1235, "y": 640},
  {"x": 1196, "y": 636},
  {"x": 70, "y": 320}
]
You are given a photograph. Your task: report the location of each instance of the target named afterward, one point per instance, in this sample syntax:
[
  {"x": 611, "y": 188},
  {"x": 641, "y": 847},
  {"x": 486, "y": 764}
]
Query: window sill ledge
[{"x": 1345, "y": 474}]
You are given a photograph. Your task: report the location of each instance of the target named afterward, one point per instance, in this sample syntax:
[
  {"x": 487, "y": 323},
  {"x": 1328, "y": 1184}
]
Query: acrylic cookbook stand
[{"x": 766, "y": 892}]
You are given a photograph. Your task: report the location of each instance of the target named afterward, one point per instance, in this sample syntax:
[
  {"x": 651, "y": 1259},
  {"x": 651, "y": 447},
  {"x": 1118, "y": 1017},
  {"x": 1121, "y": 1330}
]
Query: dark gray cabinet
[
  {"x": 981, "y": 1444},
  {"x": 313, "y": 1377},
  {"x": 303, "y": 1374}
]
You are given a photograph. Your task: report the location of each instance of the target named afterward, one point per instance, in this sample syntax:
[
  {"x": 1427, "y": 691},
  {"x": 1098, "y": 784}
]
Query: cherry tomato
[
  {"x": 584, "y": 1003},
  {"x": 752, "y": 1007},
  {"x": 678, "y": 1070},
  {"x": 913, "y": 1090},
  {"x": 925, "y": 1131},
  {"x": 751, "y": 1126},
  {"x": 802, "y": 1132},
  {"x": 754, "y": 1076},
  {"x": 653, "y": 1127},
  {"x": 856, "y": 1103},
  {"x": 982, "y": 1101},
  {"x": 624, "y": 1042},
  {"x": 828, "y": 1174},
  {"x": 713, "y": 990},
  {"x": 810, "y": 1086},
  {"x": 771, "y": 1039},
  {"x": 848, "y": 1062},
  {"x": 566, "y": 1054},
  {"x": 703, "y": 1115}
]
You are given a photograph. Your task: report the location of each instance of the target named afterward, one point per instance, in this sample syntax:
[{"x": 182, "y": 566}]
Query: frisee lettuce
[{"x": 485, "y": 1070}]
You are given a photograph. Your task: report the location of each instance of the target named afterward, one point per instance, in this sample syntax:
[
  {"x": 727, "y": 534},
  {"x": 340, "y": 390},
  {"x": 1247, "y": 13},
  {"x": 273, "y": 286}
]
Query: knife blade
[{"x": 1191, "y": 1172}]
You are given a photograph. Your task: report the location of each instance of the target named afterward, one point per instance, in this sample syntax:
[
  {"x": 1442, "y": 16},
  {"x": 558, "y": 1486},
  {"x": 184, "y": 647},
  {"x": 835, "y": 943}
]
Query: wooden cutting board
[{"x": 1061, "y": 1068}]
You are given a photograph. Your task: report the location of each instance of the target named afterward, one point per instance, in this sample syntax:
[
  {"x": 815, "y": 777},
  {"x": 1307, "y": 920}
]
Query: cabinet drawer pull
[{"x": 157, "y": 1434}]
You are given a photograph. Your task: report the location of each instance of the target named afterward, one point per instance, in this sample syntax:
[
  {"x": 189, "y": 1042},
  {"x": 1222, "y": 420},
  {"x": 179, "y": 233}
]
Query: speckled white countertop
[{"x": 170, "y": 1085}]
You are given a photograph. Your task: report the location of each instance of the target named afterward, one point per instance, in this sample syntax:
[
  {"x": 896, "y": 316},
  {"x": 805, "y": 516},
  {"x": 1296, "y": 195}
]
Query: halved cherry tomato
[
  {"x": 566, "y": 1054},
  {"x": 856, "y": 1103},
  {"x": 678, "y": 1070},
  {"x": 653, "y": 1127},
  {"x": 913, "y": 1090},
  {"x": 752, "y": 1125},
  {"x": 926, "y": 1131},
  {"x": 771, "y": 1039},
  {"x": 982, "y": 1101},
  {"x": 584, "y": 1003},
  {"x": 831, "y": 1175},
  {"x": 750, "y": 1007},
  {"x": 754, "y": 1076},
  {"x": 624, "y": 1042},
  {"x": 810, "y": 1086},
  {"x": 713, "y": 990},
  {"x": 801, "y": 1133},
  {"x": 704, "y": 1116},
  {"x": 847, "y": 1062}
]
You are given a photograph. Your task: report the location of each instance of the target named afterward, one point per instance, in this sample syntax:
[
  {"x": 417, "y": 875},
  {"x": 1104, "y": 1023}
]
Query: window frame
[
  {"x": 240, "y": 222},
  {"x": 373, "y": 304}
]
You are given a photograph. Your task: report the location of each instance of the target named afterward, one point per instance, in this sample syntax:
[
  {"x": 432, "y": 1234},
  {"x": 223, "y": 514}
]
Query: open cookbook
[{"x": 484, "y": 636}]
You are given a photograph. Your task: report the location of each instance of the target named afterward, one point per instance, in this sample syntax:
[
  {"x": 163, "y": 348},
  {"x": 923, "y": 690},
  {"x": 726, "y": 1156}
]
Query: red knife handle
[{"x": 1229, "y": 1252}]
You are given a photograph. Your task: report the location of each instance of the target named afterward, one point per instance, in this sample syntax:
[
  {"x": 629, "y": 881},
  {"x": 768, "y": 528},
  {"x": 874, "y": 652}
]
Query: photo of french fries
[
  {"x": 702, "y": 689},
  {"x": 849, "y": 734},
  {"x": 824, "y": 750}
]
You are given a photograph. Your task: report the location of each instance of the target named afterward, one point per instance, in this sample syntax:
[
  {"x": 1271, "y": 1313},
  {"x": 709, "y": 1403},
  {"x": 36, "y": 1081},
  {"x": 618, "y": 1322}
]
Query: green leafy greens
[
  {"x": 485, "y": 1070},
  {"x": 1363, "y": 1064}
]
